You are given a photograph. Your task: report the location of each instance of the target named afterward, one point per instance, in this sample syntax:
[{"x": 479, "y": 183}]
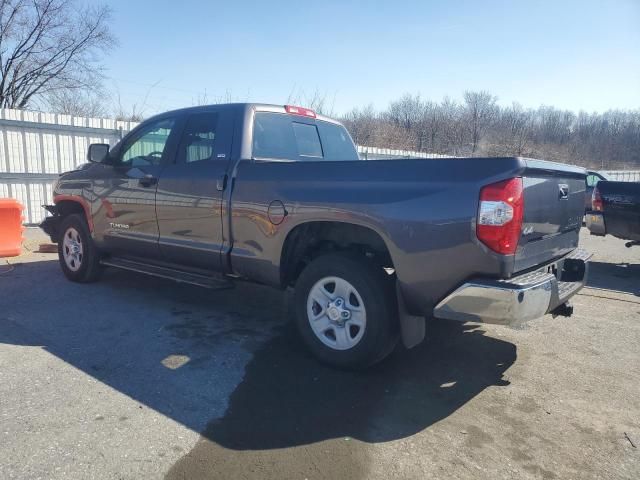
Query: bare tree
[
  {"x": 480, "y": 127},
  {"x": 511, "y": 132},
  {"x": 316, "y": 101},
  {"x": 50, "y": 46},
  {"x": 431, "y": 125},
  {"x": 481, "y": 110},
  {"x": 78, "y": 103},
  {"x": 362, "y": 123}
]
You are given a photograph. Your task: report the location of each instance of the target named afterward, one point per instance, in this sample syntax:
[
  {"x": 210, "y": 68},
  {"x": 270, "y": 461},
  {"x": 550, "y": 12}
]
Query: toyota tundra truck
[{"x": 372, "y": 250}]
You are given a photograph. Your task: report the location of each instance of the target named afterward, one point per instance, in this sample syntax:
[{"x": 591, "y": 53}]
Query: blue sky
[{"x": 574, "y": 54}]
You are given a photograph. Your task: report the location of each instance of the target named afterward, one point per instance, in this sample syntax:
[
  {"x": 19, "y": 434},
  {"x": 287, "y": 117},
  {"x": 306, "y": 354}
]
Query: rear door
[
  {"x": 553, "y": 210},
  {"x": 189, "y": 200}
]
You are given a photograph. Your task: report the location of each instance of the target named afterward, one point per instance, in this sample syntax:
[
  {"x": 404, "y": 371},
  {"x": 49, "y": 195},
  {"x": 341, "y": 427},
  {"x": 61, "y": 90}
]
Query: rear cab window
[{"x": 282, "y": 136}]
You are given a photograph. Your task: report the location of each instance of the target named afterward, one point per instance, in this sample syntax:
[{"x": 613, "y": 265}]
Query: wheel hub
[
  {"x": 72, "y": 249},
  {"x": 337, "y": 312}
]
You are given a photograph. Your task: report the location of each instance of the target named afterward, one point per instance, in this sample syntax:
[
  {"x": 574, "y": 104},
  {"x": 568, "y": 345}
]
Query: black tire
[
  {"x": 376, "y": 290},
  {"x": 87, "y": 266}
]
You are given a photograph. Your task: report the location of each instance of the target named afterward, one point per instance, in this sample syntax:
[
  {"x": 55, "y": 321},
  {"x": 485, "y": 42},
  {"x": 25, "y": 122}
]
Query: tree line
[{"x": 478, "y": 126}]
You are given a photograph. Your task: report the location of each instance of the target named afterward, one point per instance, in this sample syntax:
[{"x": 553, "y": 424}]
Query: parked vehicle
[
  {"x": 616, "y": 211},
  {"x": 593, "y": 178},
  {"x": 277, "y": 195}
]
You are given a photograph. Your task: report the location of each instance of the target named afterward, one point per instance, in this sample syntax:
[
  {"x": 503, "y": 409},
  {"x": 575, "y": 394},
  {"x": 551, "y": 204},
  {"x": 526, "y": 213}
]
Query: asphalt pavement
[{"x": 140, "y": 378}]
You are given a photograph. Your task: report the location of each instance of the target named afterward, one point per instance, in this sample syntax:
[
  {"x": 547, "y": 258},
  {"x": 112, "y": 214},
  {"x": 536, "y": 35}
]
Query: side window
[
  {"x": 273, "y": 137},
  {"x": 336, "y": 142},
  {"x": 199, "y": 138},
  {"x": 592, "y": 180},
  {"x": 148, "y": 147},
  {"x": 307, "y": 140}
]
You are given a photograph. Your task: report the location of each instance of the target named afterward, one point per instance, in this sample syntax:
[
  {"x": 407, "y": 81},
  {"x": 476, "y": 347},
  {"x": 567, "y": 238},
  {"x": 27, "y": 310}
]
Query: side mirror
[{"x": 97, "y": 152}]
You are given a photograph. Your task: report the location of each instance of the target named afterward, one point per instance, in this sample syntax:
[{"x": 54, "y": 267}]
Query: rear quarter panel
[{"x": 424, "y": 210}]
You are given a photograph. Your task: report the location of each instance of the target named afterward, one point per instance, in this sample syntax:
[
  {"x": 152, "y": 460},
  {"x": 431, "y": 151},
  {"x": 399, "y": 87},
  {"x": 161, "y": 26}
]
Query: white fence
[
  {"x": 623, "y": 175},
  {"x": 375, "y": 153},
  {"x": 35, "y": 147}
]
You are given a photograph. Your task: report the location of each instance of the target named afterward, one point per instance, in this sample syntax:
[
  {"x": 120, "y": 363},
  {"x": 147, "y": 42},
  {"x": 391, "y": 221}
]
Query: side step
[{"x": 179, "y": 276}]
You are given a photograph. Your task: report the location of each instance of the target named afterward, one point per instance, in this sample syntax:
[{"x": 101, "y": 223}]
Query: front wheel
[
  {"x": 346, "y": 310},
  {"x": 79, "y": 258}
]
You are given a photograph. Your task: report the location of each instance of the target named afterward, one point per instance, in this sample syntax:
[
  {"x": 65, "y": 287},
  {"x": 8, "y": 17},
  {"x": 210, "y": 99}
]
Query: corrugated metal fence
[
  {"x": 375, "y": 153},
  {"x": 35, "y": 147},
  {"x": 623, "y": 175}
]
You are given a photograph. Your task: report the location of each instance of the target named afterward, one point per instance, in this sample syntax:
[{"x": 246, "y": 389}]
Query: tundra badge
[{"x": 123, "y": 226}]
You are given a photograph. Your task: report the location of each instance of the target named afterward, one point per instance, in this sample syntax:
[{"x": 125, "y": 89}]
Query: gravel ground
[{"x": 134, "y": 377}]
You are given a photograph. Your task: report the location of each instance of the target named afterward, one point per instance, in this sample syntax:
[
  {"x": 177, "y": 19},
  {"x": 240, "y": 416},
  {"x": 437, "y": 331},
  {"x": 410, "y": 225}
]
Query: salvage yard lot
[{"x": 134, "y": 377}]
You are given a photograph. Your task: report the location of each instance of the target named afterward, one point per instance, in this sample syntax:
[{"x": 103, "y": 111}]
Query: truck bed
[{"x": 424, "y": 209}]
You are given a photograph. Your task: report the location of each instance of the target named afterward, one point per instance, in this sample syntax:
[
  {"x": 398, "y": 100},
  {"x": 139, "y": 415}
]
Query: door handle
[
  {"x": 221, "y": 182},
  {"x": 148, "y": 180}
]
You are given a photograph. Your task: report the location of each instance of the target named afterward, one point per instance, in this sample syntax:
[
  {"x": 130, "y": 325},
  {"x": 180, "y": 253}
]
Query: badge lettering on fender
[{"x": 122, "y": 226}]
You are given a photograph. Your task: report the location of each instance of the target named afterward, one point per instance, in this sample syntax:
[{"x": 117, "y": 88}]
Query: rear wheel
[
  {"x": 346, "y": 310},
  {"x": 79, "y": 258}
]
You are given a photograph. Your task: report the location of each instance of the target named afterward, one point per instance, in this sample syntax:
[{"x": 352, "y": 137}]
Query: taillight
[
  {"x": 500, "y": 215},
  {"x": 305, "y": 112},
  {"x": 596, "y": 201}
]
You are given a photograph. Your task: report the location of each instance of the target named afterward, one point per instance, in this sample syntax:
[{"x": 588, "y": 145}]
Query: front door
[
  {"x": 190, "y": 192},
  {"x": 126, "y": 221}
]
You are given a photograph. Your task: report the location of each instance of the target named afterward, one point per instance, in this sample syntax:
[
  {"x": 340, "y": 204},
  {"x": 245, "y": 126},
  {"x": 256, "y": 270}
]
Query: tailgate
[
  {"x": 554, "y": 196},
  {"x": 621, "y": 208}
]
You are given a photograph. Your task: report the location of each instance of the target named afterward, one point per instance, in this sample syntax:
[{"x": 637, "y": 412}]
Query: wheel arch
[
  {"x": 310, "y": 239},
  {"x": 69, "y": 204}
]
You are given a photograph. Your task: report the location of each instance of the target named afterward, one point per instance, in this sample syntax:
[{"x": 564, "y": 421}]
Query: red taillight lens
[
  {"x": 596, "y": 200},
  {"x": 305, "y": 112},
  {"x": 500, "y": 215}
]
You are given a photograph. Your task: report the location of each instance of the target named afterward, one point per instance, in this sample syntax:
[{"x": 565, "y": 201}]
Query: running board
[{"x": 179, "y": 276}]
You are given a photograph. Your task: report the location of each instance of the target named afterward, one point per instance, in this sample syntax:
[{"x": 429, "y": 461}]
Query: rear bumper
[
  {"x": 518, "y": 299},
  {"x": 595, "y": 223}
]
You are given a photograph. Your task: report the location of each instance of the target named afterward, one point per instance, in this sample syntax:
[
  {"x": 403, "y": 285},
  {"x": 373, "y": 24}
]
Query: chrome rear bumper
[{"x": 518, "y": 299}]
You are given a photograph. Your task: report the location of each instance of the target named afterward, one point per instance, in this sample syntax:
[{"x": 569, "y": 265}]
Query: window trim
[
  {"x": 214, "y": 155},
  {"x": 142, "y": 130},
  {"x": 298, "y": 158},
  {"x": 315, "y": 128}
]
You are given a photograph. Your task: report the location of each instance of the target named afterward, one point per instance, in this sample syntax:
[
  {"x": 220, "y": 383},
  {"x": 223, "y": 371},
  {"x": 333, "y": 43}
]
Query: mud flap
[{"x": 412, "y": 327}]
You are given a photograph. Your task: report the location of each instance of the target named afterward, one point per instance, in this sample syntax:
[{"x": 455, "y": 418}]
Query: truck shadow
[
  {"x": 228, "y": 365},
  {"x": 619, "y": 277},
  {"x": 289, "y": 400}
]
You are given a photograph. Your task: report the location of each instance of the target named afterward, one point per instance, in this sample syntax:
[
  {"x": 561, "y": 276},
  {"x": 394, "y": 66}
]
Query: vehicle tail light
[
  {"x": 500, "y": 215},
  {"x": 596, "y": 200},
  {"x": 305, "y": 112}
]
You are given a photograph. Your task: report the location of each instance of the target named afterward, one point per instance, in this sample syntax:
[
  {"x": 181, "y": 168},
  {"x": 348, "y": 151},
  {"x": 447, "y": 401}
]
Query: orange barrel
[{"x": 10, "y": 227}]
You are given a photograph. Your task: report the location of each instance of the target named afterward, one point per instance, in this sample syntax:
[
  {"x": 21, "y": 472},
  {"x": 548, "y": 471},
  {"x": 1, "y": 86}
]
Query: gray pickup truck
[{"x": 373, "y": 249}]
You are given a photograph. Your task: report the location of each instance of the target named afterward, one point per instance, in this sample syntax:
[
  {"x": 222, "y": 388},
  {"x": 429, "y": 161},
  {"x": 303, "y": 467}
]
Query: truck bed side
[{"x": 423, "y": 210}]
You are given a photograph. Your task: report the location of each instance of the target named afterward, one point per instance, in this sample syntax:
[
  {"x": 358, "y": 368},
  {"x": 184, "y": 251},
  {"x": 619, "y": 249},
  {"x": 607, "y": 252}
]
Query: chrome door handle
[
  {"x": 148, "y": 180},
  {"x": 221, "y": 182}
]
